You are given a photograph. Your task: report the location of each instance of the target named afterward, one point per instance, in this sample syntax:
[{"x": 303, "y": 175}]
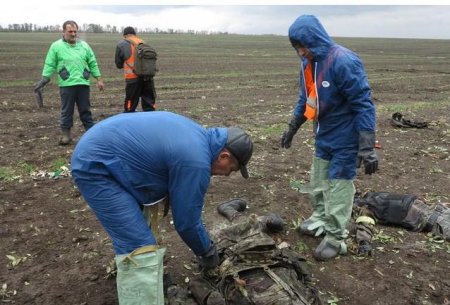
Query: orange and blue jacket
[
  {"x": 125, "y": 56},
  {"x": 335, "y": 84}
]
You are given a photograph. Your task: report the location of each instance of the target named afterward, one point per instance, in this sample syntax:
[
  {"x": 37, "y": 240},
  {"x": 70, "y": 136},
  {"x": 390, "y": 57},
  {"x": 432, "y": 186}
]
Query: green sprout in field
[
  {"x": 5, "y": 293},
  {"x": 8, "y": 174},
  {"x": 333, "y": 300}
]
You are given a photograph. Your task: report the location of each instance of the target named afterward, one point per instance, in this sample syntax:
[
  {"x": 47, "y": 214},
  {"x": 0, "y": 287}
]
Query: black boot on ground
[
  {"x": 274, "y": 223},
  {"x": 231, "y": 208}
]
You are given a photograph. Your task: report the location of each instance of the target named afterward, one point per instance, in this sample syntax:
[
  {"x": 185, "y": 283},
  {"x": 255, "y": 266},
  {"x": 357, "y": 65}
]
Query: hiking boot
[
  {"x": 65, "y": 137},
  {"x": 326, "y": 251},
  {"x": 231, "y": 208}
]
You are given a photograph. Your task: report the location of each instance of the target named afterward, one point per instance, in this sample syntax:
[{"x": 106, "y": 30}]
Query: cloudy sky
[{"x": 349, "y": 20}]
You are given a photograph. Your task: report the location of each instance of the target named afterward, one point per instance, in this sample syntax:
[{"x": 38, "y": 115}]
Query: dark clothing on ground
[
  {"x": 253, "y": 270},
  {"x": 409, "y": 212}
]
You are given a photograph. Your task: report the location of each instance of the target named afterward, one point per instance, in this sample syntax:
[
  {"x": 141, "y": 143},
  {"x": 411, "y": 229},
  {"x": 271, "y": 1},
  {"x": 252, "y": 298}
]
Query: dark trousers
[
  {"x": 143, "y": 88},
  {"x": 78, "y": 95}
]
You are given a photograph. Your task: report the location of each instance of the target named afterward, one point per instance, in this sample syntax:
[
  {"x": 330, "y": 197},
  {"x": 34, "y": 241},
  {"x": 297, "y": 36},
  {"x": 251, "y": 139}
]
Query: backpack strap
[
  {"x": 133, "y": 43},
  {"x": 293, "y": 293}
]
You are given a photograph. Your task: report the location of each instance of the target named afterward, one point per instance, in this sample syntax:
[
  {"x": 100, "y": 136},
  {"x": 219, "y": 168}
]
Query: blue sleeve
[
  {"x": 351, "y": 80},
  {"x": 188, "y": 185}
]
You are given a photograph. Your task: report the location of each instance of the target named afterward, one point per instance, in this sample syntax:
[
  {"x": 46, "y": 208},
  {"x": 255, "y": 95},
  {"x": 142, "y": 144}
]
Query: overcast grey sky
[{"x": 402, "y": 21}]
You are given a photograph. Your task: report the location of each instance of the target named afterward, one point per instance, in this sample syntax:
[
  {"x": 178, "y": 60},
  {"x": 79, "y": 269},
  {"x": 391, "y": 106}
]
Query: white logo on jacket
[{"x": 325, "y": 84}]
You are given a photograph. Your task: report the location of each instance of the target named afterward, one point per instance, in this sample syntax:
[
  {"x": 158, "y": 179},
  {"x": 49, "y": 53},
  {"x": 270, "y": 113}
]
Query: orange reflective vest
[
  {"x": 311, "y": 109},
  {"x": 128, "y": 66}
]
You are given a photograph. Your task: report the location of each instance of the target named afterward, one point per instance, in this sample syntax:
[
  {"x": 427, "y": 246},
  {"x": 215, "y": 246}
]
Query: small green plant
[
  {"x": 57, "y": 164},
  {"x": 16, "y": 260},
  {"x": 8, "y": 174},
  {"x": 301, "y": 247},
  {"x": 5, "y": 293},
  {"x": 333, "y": 300},
  {"x": 295, "y": 223},
  {"x": 26, "y": 167},
  {"x": 298, "y": 185},
  {"x": 383, "y": 238},
  {"x": 434, "y": 242},
  {"x": 274, "y": 129}
]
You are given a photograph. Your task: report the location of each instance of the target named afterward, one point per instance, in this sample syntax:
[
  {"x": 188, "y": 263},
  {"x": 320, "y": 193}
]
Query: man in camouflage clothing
[
  {"x": 407, "y": 211},
  {"x": 253, "y": 269},
  {"x": 403, "y": 210}
]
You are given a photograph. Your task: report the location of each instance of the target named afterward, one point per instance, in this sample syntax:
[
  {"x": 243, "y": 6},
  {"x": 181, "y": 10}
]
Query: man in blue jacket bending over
[
  {"x": 129, "y": 161},
  {"x": 335, "y": 96}
]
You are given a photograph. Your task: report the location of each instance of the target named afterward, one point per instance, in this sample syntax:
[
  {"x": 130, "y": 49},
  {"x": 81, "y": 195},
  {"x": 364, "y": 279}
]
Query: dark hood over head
[{"x": 309, "y": 32}]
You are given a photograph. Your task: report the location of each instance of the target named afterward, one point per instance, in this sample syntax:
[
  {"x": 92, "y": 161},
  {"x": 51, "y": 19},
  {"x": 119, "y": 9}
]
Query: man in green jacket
[{"x": 75, "y": 62}]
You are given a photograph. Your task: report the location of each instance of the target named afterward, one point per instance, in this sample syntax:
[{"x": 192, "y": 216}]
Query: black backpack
[{"x": 145, "y": 60}]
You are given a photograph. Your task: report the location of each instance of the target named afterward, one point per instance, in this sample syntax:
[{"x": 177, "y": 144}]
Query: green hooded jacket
[{"x": 74, "y": 63}]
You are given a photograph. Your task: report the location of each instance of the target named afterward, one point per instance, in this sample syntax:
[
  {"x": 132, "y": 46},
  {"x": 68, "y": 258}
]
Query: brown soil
[{"x": 65, "y": 252}]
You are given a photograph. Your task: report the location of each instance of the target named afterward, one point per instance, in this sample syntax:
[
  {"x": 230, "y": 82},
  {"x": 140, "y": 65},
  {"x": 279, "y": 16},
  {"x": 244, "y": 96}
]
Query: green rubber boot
[
  {"x": 140, "y": 276},
  {"x": 315, "y": 224}
]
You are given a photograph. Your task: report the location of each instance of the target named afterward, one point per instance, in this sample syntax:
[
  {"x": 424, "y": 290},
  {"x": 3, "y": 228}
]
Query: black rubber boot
[
  {"x": 231, "y": 208},
  {"x": 274, "y": 223}
]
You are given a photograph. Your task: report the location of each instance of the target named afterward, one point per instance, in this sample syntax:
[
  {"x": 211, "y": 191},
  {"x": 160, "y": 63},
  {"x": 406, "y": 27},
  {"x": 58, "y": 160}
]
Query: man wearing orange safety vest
[
  {"x": 136, "y": 86},
  {"x": 335, "y": 95}
]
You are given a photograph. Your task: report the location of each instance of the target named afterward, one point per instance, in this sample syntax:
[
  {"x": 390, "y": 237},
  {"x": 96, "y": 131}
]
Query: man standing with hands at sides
[
  {"x": 132, "y": 161},
  {"x": 137, "y": 86},
  {"x": 335, "y": 95},
  {"x": 74, "y": 61}
]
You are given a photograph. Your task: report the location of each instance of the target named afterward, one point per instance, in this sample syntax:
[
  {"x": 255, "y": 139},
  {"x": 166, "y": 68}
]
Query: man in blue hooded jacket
[
  {"x": 129, "y": 161},
  {"x": 335, "y": 95}
]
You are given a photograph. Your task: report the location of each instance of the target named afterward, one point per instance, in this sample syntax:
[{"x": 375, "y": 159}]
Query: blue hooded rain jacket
[{"x": 344, "y": 102}]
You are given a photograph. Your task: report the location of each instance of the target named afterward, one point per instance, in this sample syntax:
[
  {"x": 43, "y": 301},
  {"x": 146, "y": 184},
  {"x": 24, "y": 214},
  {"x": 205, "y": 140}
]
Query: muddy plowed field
[{"x": 53, "y": 250}]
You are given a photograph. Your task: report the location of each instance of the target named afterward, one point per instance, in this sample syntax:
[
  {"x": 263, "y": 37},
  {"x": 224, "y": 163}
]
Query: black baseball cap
[{"x": 241, "y": 147}]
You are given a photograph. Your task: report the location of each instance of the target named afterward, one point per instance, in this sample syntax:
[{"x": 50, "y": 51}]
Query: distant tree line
[{"x": 96, "y": 28}]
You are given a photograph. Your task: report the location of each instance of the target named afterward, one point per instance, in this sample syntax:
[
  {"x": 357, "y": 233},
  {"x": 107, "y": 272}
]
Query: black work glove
[
  {"x": 41, "y": 84},
  {"x": 294, "y": 125},
  {"x": 366, "y": 152},
  {"x": 210, "y": 259}
]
